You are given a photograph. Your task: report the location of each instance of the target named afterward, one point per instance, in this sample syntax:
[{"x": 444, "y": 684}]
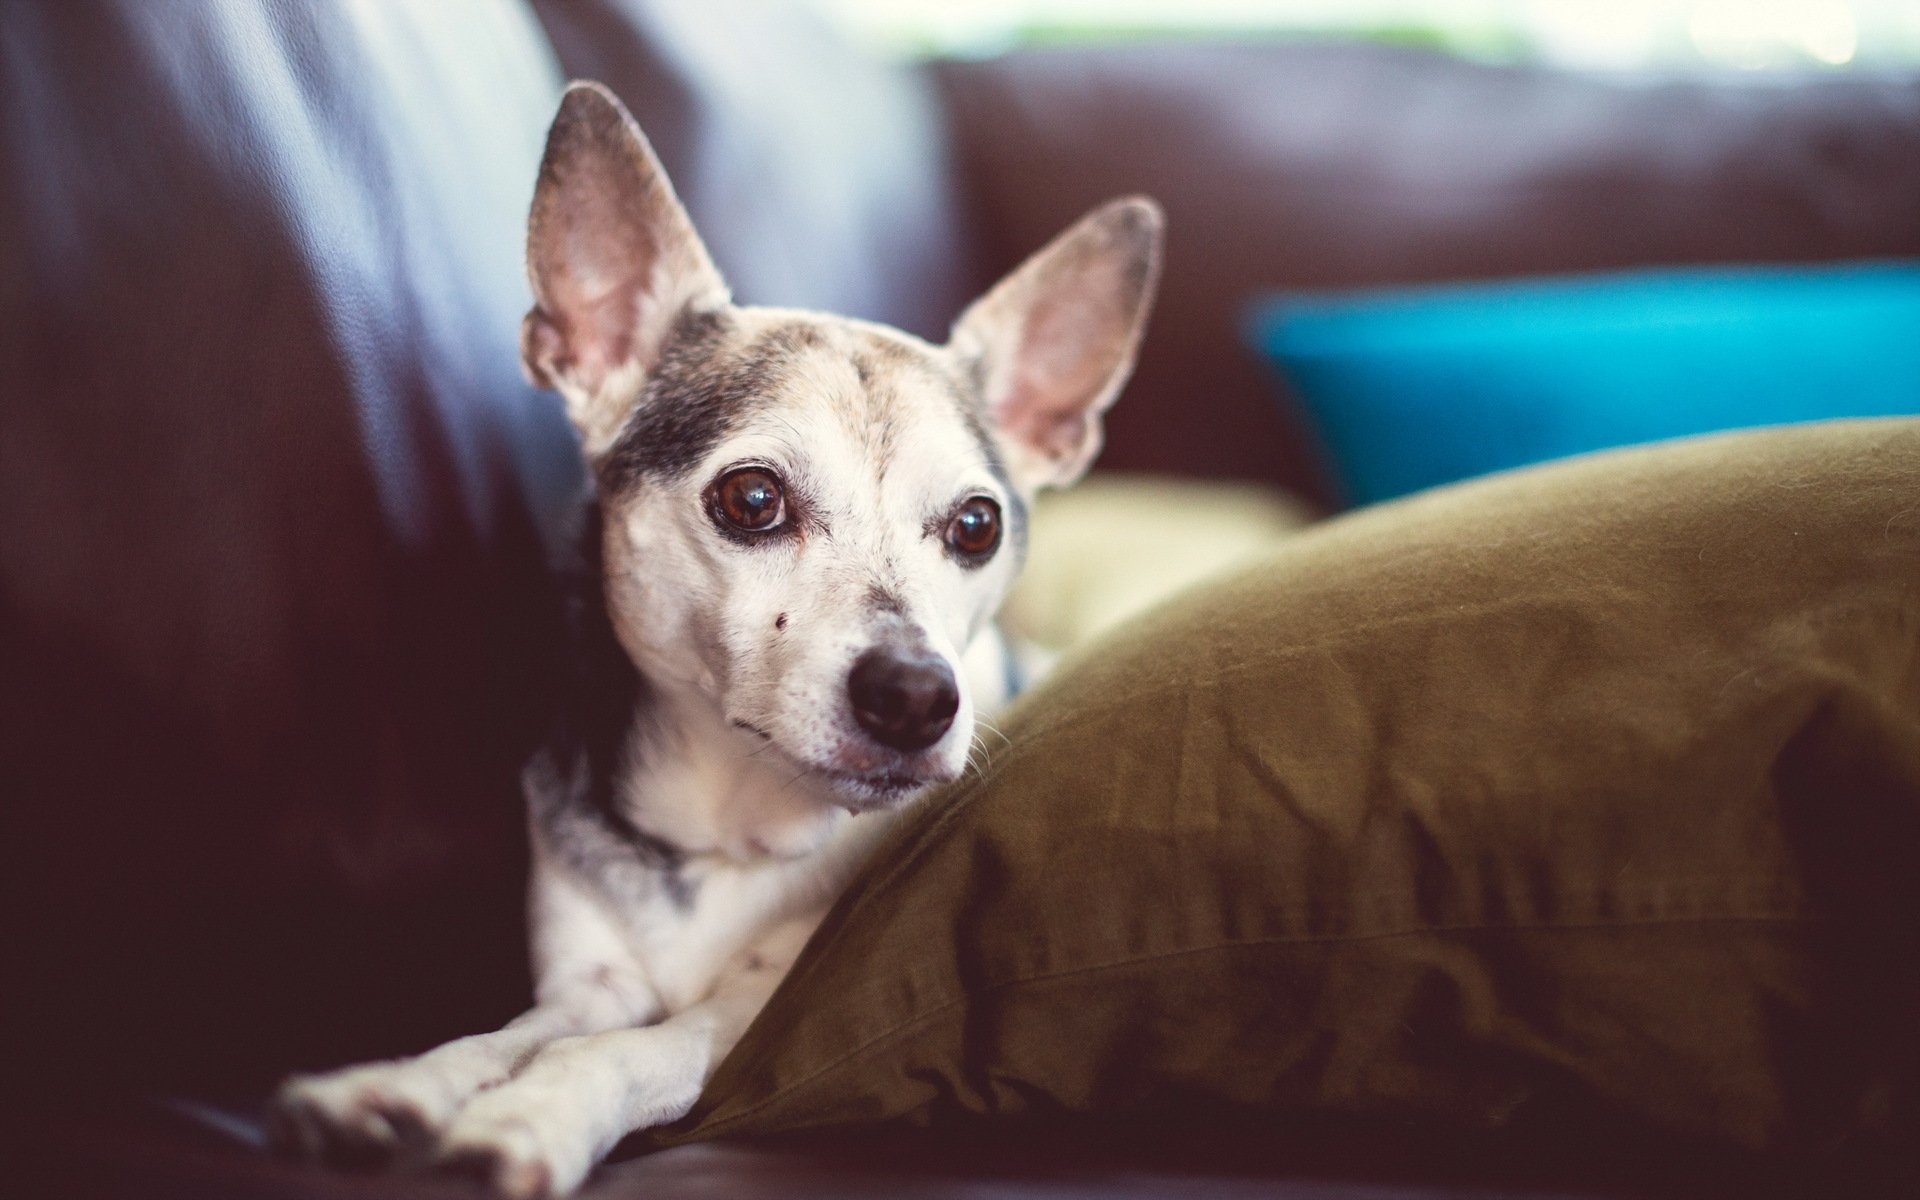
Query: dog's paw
[
  {"x": 365, "y": 1116},
  {"x": 517, "y": 1151}
]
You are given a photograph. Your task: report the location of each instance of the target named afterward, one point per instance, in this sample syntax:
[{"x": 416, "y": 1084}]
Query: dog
[{"x": 806, "y": 524}]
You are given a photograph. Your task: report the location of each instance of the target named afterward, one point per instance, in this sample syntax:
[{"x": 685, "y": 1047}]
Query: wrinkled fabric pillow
[{"x": 1596, "y": 784}]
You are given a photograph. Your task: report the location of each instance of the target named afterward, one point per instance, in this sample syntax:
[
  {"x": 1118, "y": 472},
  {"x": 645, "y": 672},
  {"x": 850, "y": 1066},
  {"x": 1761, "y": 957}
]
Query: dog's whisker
[
  {"x": 990, "y": 727},
  {"x": 987, "y": 749},
  {"x": 977, "y": 744},
  {"x": 979, "y": 761}
]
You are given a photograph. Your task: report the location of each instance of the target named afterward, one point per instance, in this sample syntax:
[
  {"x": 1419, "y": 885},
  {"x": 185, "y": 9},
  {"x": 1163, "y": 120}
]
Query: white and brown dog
[{"x": 806, "y": 524}]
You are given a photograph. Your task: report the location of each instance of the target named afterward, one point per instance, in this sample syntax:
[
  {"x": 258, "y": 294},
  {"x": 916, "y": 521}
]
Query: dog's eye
[
  {"x": 749, "y": 500},
  {"x": 974, "y": 531}
]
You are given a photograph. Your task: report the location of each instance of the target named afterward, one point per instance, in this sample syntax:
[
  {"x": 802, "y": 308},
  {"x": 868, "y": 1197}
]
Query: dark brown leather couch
[{"x": 277, "y": 512}]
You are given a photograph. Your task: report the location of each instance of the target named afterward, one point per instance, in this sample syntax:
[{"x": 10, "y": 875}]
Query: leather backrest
[
  {"x": 273, "y": 496},
  {"x": 1332, "y": 166}
]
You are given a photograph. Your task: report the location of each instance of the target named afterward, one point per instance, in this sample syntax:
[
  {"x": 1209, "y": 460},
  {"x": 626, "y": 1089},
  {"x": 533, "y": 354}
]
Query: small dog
[{"x": 806, "y": 525}]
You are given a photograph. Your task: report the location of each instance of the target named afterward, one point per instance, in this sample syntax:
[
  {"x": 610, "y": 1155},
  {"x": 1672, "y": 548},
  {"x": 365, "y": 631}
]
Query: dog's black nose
[{"x": 904, "y": 698}]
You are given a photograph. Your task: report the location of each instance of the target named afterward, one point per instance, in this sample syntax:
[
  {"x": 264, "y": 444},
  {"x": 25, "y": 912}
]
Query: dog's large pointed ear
[
  {"x": 1053, "y": 342},
  {"x": 613, "y": 260}
]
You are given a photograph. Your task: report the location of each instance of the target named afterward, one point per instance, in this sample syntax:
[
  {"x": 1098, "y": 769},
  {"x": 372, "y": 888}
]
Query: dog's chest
[
  {"x": 720, "y": 805},
  {"x": 707, "y": 917}
]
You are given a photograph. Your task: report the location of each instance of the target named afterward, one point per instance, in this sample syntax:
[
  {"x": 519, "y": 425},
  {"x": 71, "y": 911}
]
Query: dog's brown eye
[
  {"x": 974, "y": 532},
  {"x": 750, "y": 500}
]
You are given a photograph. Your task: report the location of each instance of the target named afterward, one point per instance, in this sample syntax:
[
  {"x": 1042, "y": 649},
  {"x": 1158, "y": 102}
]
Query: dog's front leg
[
  {"x": 384, "y": 1111},
  {"x": 539, "y": 1135},
  {"x": 389, "y": 1111}
]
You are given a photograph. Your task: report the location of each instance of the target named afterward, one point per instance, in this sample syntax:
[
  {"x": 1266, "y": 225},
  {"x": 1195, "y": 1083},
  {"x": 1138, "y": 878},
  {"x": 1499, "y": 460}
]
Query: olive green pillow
[{"x": 1598, "y": 782}]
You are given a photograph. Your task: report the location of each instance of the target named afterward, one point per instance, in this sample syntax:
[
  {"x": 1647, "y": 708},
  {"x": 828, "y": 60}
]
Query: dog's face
[
  {"x": 804, "y": 524},
  {"x": 808, "y": 518}
]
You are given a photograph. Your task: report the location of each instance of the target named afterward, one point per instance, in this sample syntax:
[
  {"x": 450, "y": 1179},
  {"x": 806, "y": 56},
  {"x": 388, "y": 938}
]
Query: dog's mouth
[
  {"x": 858, "y": 791},
  {"x": 883, "y": 785}
]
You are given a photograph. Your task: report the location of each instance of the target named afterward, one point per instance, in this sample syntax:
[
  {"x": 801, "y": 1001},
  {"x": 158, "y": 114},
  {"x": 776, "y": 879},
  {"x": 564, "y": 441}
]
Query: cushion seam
[
  {"x": 909, "y": 1023},
  {"x": 1267, "y": 657}
]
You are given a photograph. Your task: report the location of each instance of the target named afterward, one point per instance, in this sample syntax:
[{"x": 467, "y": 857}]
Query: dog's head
[{"x": 808, "y": 518}]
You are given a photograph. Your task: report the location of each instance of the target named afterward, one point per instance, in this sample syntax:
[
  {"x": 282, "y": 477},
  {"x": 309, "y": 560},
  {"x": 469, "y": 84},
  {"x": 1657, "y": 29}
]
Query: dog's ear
[
  {"x": 1053, "y": 342},
  {"x": 613, "y": 260}
]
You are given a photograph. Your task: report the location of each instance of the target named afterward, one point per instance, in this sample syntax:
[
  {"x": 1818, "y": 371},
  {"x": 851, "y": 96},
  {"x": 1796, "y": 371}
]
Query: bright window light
[{"x": 1594, "y": 34}]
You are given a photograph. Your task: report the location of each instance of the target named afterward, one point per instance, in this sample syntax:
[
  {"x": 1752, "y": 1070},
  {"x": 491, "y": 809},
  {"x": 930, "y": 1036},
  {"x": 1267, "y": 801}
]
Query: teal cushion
[{"x": 1413, "y": 387}]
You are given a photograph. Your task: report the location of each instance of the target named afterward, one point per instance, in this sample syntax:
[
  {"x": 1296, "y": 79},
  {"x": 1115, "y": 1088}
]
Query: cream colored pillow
[{"x": 1117, "y": 545}]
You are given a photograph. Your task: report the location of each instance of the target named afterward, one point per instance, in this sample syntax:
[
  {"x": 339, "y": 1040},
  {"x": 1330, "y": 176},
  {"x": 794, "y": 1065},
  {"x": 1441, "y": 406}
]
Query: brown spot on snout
[{"x": 780, "y": 622}]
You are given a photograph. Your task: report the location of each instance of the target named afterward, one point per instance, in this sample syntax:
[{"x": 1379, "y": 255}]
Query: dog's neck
[{"x": 707, "y": 788}]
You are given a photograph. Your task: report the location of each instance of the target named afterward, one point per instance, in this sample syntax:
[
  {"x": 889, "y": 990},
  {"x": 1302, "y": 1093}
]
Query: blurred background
[
  {"x": 280, "y": 520},
  {"x": 1403, "y": 390},
  {"x": 1601, "y": 34}
]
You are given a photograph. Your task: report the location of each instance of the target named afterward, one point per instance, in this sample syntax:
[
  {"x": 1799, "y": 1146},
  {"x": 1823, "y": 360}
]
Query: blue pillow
[{"x": 1413, "y": 387}]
